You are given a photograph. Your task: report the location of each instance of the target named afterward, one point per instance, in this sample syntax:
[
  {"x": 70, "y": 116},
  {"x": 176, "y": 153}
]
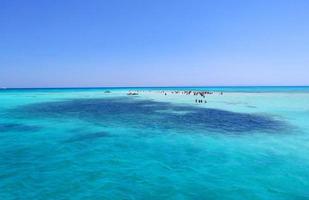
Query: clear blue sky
[{"x": 79, "y": 43}]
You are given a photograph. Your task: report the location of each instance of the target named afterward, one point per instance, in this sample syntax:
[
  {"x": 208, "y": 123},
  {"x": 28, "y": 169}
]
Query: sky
[{"x": 97, "y": 43}]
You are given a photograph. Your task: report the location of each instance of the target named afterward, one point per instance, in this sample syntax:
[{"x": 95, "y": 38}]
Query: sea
[{"x": 237, "y": 143}]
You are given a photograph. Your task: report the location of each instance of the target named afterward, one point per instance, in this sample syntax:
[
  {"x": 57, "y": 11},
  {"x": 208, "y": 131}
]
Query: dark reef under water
[{"x": 132, "y": 112}]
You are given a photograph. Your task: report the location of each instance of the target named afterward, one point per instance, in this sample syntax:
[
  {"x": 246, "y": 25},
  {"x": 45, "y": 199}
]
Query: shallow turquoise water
[{"x": 250, "y": 143}]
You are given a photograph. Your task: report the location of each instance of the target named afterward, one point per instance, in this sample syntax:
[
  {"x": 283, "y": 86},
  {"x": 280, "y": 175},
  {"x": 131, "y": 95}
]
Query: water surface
[{"x": 249, "y": 143}]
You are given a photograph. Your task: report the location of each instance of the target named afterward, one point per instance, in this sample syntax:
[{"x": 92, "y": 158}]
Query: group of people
[
  {"x": 132, "y": 93},
  {"x": 189, "y": 92},
  {"x": 195, "y": 93},
  {"x": 200, "y": 101}
]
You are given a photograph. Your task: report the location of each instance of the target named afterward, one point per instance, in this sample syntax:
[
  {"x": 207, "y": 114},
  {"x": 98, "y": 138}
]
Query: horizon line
[{"x": 119, "y": 87}]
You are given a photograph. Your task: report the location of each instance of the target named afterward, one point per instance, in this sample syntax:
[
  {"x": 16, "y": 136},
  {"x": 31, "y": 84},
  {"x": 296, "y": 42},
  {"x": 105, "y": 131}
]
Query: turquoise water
[{"x": 249, "y": 143}]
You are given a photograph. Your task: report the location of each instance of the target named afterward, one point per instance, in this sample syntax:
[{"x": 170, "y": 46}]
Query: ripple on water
[
  {"x": 15, "y": 127},
  {"x": 87, "y": 137}
]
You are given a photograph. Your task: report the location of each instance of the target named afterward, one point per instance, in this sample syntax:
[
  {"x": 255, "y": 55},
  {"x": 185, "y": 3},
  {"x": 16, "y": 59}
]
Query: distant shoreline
[{"x": 237, "y": 89}]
